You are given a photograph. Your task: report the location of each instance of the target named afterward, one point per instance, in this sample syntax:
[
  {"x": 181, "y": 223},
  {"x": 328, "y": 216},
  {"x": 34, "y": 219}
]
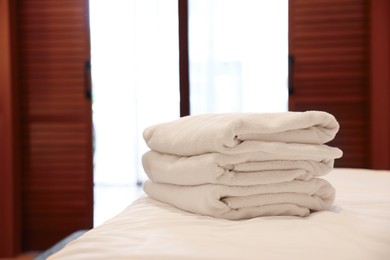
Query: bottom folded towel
[{"x": 293, "y": 198}]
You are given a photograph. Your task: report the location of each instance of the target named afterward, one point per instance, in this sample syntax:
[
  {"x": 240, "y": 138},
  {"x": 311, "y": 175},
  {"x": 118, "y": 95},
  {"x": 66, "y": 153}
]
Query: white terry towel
[
  {"x": 294, "y": 198},
  {"x": 276, "y": 162},
  {"x": 229, "y": 133}
]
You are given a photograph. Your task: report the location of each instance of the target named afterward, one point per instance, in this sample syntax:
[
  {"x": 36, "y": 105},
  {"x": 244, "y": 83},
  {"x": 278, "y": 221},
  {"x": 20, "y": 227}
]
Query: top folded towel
[{"x": 224, "y": 133}]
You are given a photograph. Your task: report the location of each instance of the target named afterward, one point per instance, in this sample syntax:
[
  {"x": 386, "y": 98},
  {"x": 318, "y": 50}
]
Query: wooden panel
[
  {"x": 57, "y": 140},
  {"x": 380, "y": 83},
  {"x": 9, "y": 139},
  {"x": 329, "y": 43}
]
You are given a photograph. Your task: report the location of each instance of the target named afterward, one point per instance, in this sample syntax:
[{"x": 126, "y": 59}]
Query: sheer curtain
[
  {"x": 238, "y": 51},
  {"x": 135, "y": 79},
  {"x": 238, "y": 62},
  {"x": 135, "y": 74}
]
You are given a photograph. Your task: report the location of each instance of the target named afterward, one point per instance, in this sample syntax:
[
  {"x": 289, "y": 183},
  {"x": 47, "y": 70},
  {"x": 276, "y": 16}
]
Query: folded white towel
[
  {"x": 294, "y": 198},
  {"x": 275, "y": 162},
  {"x": 229, "y": 133}
]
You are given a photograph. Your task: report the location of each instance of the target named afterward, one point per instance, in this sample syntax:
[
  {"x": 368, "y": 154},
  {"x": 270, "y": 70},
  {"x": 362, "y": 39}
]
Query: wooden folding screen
[
  {"x": 57, "y": 178},
  {"x": 329, "y": 48}
]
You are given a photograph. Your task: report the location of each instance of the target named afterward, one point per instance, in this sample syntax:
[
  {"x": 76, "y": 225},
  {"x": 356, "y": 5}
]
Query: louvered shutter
[
  {"x": 328, "y": 42},
  {"x": 57, "y": 176}
]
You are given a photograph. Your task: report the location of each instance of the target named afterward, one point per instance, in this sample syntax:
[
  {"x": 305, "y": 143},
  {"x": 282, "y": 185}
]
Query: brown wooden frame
[
  {"x": 380, "y": 83},
  {"x": 10, "y": 243},
  {"x": 184, "y": 60}
]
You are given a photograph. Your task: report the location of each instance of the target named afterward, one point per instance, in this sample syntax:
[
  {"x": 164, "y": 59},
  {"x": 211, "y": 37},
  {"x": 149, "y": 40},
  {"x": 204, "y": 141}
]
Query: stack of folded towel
[{"x": 243, "y": 165}]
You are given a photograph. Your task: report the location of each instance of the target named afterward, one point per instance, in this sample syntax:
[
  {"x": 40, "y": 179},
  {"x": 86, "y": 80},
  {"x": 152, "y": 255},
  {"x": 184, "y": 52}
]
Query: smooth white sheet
[{"x": 356, "y": 227}]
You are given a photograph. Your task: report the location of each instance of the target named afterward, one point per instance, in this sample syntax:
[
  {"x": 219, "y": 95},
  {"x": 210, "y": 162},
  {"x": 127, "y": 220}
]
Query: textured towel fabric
[
  {"x": 231, "y": 132},
  {"x": 243, "y": 165},
  {"x": 293, "y": 198},
  {"x": 276, "y": 162}
]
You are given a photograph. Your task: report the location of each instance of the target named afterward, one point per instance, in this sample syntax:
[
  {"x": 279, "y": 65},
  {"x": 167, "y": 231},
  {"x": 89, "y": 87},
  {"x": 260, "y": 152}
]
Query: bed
[{"x": 357, "y": 226}]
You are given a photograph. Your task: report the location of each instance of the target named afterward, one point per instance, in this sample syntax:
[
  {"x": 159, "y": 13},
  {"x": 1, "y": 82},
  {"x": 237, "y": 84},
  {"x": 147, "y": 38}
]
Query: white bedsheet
[{"x": 356, "y": 227}]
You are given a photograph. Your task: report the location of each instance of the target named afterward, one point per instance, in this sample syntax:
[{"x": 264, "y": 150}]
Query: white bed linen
[{"x": 356, "y": 227}]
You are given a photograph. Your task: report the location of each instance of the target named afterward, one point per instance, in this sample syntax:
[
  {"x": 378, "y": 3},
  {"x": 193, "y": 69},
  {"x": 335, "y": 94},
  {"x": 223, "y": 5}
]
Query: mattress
[{"x": 356, "y": 227}]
